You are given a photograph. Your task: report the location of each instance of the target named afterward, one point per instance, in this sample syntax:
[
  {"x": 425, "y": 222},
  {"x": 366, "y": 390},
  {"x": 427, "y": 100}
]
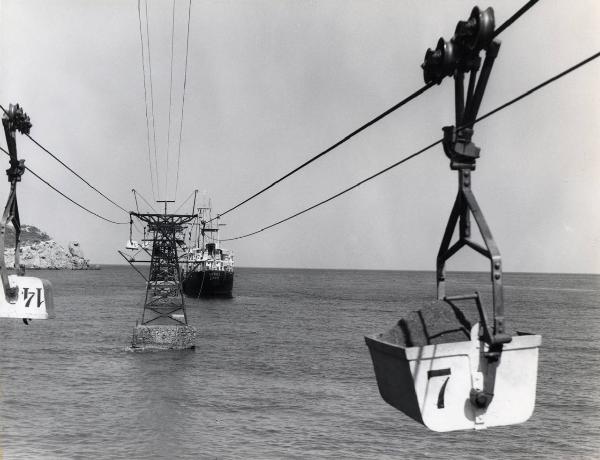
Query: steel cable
[
  {"x": 503, "y": 27},
  {"x": 497, "y": 32},
  {"x": 170, "y": 103},
  {"x": 506, "y": 24},
  {"x": 145, "y": 200},
  {"x": 329, "y": 149},
  {"x": 184, "y": 202},
  {"x": 152, "y": 100},
  {"x": 70, "y": 169},
  {"x": 187, "y": 48},
  {"x": 146, "y": 102},
  {"x": 439, "y": 141},
  {"x": 75, "y": 173},
  {"x": 67, "y": 197}
]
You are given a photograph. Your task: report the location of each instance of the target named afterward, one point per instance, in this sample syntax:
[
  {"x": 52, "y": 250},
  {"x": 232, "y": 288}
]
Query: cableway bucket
[
  {"x": 445, "y": 365},
  {"x": 132, "y": 245},
  {"x": 23, "y": 297},
  {"x": 32, "y": 299},
  {"x": 439, "y": 384}
]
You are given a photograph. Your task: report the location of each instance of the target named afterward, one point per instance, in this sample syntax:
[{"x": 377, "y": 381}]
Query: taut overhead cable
[
  {"x": 170, "y": 103},
  {"x": 187, "y": 49},
  {"x": 439, "y": 141},
  {"x": 329, "y": 149},
  {"x": 67, "y": 197},
  {"x": 146, "y": 102},
  {"x": 152, "y": 99},
  {"x": 520, "y": 12},
  {"x": 71, "y": 170},
  {"x": 75, "y": 173},
  {"x": 420, "y": 91}
]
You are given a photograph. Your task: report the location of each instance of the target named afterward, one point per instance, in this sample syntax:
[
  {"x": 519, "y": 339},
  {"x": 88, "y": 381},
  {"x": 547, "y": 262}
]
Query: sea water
[{"x": 279, "y": 371}]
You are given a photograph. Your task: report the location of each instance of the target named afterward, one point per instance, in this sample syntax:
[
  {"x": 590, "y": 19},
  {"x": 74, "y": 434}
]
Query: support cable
[
  {"x": 152, "y": 100},
  {"x": 187, "y": 48},
  {"x": 439, "y": 141},
  {"x": 535, "y": 88},
  {"x": 136, "y": 193},
  {"x": 146, "y": 102},
  {"x": 67, "y": 197},
  {"x": 503, "y": 27},
  {"x": 184, "y": 202},
  {"x": 136, "y": 227},
  {"x": 170, "y": 103},
  {"x": 136, "y": 201},
  {"x": 70, "y": 169},
  {"x": 398, "y": 163},
  {"x": 329, "y": 149},
  {"x": 76, "y": 174},
  {"x": 498, "y": 31},
  {"x": 506, "y": 24}
]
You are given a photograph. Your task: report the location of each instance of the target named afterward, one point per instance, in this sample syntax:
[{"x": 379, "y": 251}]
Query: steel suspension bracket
[
  {"x": 14, "y": 120},
  {"x": 458, "y": 57},
  {"x": 22, "y": 296}
]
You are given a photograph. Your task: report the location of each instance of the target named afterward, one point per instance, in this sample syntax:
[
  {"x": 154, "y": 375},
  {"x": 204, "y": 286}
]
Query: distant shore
[{"x": 89, "y": 267}]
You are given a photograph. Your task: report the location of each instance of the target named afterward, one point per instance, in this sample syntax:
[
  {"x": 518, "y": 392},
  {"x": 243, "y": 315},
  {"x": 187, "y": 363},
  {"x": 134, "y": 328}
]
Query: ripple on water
[{"x": 280, "y": 371}]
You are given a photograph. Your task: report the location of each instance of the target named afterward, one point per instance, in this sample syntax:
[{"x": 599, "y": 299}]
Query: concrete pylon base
[{"x": 163, "y": 337}]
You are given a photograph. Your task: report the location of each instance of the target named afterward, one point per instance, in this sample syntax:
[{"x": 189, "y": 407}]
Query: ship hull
[{"x": 208, "y": 283}]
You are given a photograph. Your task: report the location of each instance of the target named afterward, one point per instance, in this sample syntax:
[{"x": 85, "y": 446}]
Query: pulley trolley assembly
[{"x": 474, "y": 375}]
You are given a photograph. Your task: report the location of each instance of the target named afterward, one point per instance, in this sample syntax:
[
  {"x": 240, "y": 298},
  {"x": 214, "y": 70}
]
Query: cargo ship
[{"x": 207, "y": 268}]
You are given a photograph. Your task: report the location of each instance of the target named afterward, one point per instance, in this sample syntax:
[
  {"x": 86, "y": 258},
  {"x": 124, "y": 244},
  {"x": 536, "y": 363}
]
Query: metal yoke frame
[
  {"x": 463, "y": 154},
  {"x": 14, "y": 120}
]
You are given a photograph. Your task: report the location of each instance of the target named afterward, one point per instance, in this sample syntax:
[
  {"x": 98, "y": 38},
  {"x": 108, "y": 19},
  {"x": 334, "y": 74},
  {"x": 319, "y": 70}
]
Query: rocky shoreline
[{"x": 40, "y": 252}]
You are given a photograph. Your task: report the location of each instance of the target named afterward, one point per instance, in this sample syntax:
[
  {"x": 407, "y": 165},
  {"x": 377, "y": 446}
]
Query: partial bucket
[{"x": 32, "y": 298}]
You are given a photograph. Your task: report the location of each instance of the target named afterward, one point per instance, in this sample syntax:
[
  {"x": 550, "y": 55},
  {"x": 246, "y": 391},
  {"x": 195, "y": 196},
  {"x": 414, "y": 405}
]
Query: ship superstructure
[{"x": 208, "y": 268}]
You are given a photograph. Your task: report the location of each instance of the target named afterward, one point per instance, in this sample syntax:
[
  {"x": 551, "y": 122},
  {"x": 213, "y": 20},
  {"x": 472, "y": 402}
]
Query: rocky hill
[{"x": 39, "y": 250}]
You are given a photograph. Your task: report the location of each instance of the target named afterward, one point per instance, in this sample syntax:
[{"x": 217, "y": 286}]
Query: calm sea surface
[{"x": 280, "y": 371}]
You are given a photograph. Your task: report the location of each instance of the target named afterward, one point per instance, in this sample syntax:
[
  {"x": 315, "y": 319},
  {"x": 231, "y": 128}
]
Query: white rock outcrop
[{"x": 39, "y": 251}]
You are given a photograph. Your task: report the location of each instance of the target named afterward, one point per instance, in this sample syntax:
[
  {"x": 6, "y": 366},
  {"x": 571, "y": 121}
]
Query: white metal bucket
[
  {"x": 432, "y": 384},
  {"x": 132, "y": 245},
  {"x": 34, "y": 299}
]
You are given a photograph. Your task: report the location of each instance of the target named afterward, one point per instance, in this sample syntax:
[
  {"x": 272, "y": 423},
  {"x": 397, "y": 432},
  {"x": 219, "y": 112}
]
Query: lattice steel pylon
[
  {"x": 164, "y": 303},
  {"x": 164, "y": 323}
]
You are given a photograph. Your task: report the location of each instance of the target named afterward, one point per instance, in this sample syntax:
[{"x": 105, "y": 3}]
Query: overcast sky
[{"x": 271, "y": 83}]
